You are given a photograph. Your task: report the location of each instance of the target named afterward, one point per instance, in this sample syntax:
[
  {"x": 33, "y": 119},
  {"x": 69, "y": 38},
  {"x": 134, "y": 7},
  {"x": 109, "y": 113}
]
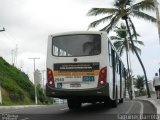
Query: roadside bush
[
  {"x": 16, "y": 95},
  {"x": 40, "y": 94}
]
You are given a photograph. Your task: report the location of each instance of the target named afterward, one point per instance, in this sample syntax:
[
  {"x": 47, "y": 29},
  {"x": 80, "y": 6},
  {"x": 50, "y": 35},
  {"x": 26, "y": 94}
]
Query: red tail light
[
  {"x": 102, "y": 80},
  {"x": 50, "y": 77}
]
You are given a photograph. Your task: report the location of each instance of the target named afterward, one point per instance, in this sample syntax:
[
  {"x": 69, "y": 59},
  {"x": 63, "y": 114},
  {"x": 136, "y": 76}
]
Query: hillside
[{"x": 16, "y": 86}]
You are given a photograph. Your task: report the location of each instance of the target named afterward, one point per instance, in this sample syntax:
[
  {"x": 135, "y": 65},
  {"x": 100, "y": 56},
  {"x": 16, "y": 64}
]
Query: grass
[{"x": 17, "y": 89}]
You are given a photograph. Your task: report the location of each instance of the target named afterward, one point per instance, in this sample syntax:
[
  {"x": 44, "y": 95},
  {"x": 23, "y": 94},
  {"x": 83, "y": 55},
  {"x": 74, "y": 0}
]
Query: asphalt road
[{"x": 127, "y": 110}]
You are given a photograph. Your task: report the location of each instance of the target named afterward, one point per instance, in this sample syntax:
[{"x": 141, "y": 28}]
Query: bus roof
[{"x": 78, "y": 32}]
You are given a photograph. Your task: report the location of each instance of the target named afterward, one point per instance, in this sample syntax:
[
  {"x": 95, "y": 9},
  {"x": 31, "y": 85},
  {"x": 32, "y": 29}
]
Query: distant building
[
  {"x": 38, "y": 77},
  {"x": 150, "y": 85}
]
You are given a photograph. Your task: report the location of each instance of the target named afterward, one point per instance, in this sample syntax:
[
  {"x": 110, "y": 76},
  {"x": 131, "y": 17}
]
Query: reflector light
[
  {"x": 50, "y": 82},
  {"x": 102, "y": 80},
  {"x": 50, "y": 77}
]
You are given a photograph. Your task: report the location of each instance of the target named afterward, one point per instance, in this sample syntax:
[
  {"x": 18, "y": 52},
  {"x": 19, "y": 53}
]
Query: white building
[
  {"x": 38, "y": 77},
  {"x": 150, "y": 85}
]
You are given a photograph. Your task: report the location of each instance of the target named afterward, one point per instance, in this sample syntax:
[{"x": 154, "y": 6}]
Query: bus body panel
[{"x": 81, "y": 68}]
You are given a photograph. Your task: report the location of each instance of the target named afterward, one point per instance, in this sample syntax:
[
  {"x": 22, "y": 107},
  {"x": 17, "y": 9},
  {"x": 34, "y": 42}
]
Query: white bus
[{"x": 84, "y": 67}]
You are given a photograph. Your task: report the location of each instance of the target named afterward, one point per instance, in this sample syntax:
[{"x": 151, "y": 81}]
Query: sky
[{"x": 29, "y": 22}]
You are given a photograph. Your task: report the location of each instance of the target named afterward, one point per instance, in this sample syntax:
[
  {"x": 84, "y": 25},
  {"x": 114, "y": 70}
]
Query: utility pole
[
  {"x": 2, "y": 78},
  {"x": 35, "y": 84}
]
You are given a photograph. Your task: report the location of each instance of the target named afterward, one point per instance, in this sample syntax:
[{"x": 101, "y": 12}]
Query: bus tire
[
  {"x": 114, "y": 103},
  {"x": 121, "y": 100},
  {"x": 73, "y": 104}
]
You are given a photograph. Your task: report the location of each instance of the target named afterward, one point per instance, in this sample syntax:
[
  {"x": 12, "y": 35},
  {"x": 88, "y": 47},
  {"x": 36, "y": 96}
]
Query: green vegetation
[
  {"x": 17, "y": 89},
  {"x": 139, "y": 84}
]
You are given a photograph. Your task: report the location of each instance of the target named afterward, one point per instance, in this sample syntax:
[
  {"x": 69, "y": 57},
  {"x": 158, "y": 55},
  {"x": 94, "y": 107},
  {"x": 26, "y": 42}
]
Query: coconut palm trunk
[
  {"x": 139, "y": 59},
  {"x": 129, "y": 86}
]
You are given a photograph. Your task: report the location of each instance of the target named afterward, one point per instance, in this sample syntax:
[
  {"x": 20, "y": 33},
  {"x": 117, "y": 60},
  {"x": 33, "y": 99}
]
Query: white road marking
[
  {"x": 142, "y": 108},
  {"x": 18, "y": 109},
  {"x": 25, "y": 119},
  {"x": 129, "y": 108},
  {"x": 12, "y": 111}
]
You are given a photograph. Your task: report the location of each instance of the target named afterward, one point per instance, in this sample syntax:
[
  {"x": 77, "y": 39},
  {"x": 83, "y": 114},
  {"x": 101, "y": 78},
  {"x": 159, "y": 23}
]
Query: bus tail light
[
  {"x": 50, "y": 77},
  {"x": 102, "y": 80}
]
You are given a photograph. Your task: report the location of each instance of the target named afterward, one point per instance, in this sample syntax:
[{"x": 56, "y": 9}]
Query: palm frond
[
  {"x": 138, "y": 42},
  {"x": 133, "y": 36},
  {"x": 122, "y": 51},
  {"x": 101, "y": 11},
  {"x": 119, "y": 47},
  {"x": 113, "y": 22},
  {"x": 144, "y": 16},
  {"x": 121, "y": 31},
  {"x": 123, "y": 3},
  {"x": 133, "y": 28},
  {"x": 137, "y": 49},
  {"x": 97, "y": 22},
  {"x": 115, "y": 38},
  {"x": 118, "y": 44},
  {"x": 143, "y": 5}
]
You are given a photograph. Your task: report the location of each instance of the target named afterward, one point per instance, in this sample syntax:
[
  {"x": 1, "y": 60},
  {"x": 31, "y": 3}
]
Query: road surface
[{"x": 127, "y": 110}]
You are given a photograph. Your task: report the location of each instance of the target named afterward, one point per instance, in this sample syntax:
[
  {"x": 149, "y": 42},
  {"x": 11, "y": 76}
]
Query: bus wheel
[
  {"x": 73, "y": 104},
  {"x": 114, "y": 103},
  {"x": 121, "y": 100}
]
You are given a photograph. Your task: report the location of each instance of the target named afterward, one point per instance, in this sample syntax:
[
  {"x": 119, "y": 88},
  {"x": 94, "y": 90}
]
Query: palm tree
[
  {"x": 139, "y": 83},
  {"x": 122, "y": 43},
  {"x": 122, "y": 40},
  {"x": 124, "y": 9}
]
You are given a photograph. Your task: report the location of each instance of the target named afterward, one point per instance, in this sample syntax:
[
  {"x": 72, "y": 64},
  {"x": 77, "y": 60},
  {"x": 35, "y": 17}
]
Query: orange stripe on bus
[{"x": 58, "y": 73}]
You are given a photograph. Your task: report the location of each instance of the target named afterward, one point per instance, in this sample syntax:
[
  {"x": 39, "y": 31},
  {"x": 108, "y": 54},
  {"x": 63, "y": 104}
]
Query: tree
[
  {"x": 122, "y": 43},
  {"x": 139, "y": 83},
  {"x": 123, "y": 10},
  {"x": 122, "y": 40}
]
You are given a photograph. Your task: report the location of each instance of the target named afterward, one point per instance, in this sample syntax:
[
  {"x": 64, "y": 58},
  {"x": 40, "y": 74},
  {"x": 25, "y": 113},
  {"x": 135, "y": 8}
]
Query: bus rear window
[{"x": 76, "y": 45}]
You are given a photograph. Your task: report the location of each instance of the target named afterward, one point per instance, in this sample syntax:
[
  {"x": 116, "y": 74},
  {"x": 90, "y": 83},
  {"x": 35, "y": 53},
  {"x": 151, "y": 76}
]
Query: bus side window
[
  {"x": 110, "y": 54},
  {"x": 117, "y": 63},
  {"x": 120, "y": 68}
]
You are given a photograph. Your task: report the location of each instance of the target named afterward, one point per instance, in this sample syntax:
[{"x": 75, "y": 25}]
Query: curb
[
  {"x": 19, "y": 106},
  {"x": 154, "y": 104}
]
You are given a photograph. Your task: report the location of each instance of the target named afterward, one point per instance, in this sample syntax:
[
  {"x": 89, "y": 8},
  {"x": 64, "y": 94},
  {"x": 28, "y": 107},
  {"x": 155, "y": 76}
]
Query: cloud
[{"x": 29, "y": 22}]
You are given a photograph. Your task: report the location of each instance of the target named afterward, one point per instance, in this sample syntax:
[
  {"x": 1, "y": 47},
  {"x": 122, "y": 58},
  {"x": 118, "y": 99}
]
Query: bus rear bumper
[{"x": 69, "y": 93}]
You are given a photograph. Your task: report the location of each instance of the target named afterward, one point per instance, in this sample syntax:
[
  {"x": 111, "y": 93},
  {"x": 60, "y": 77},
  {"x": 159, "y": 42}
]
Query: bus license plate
[
  {"x": 88, "y": 78},
  {"x": 75, "y": 85}
]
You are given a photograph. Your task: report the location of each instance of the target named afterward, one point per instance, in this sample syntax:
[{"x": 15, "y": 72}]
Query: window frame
[{"x": 52, "y": 49}]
